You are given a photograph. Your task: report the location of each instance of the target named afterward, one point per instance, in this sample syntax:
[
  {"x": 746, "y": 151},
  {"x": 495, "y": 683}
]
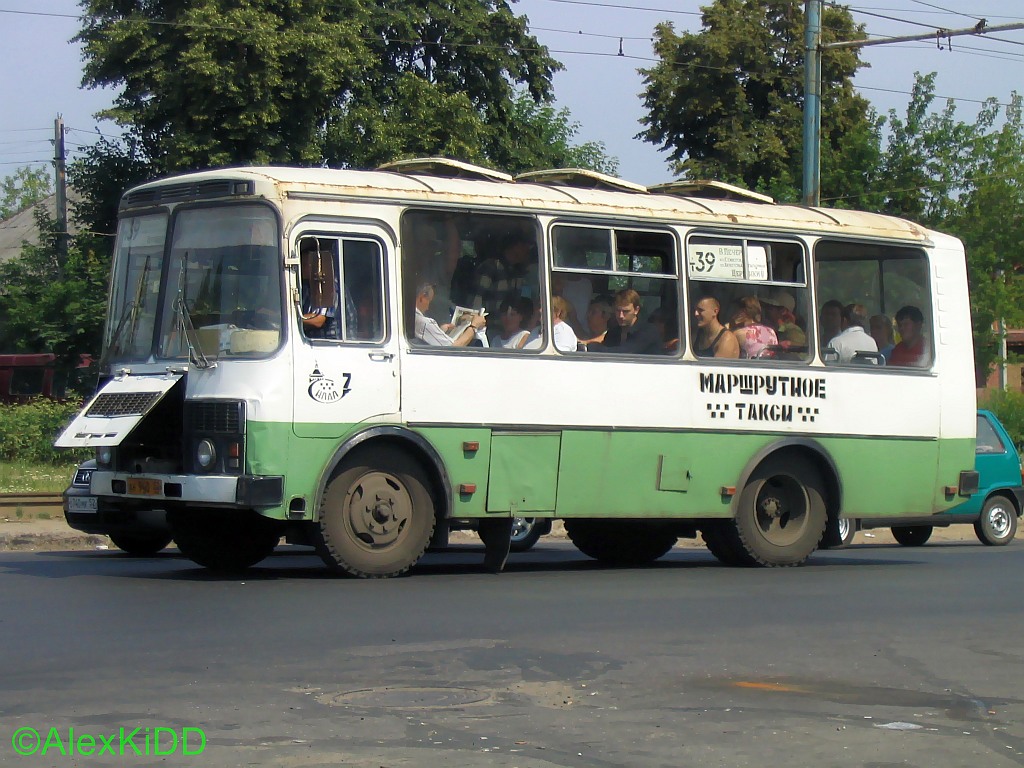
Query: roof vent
[
  {"x": 444, "y": 167},
  {"x": 712, "y": 190},
  {"x": 580, "y": 178}
]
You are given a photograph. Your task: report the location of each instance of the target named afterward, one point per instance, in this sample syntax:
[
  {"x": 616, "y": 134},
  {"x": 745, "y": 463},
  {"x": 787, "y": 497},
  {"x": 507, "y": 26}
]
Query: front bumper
[{"x": 166, "y": 491}]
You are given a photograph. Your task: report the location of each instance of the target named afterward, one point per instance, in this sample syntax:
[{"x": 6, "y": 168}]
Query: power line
[{"x": 946, "y": 10}]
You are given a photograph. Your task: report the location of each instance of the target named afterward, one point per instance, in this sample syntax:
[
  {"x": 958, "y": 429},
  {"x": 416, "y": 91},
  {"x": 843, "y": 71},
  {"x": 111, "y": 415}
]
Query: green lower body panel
[{"x": 622, "y": 473}]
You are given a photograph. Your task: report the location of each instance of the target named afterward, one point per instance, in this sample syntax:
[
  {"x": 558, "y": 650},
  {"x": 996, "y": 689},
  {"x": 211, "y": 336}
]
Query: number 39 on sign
[{"x": 715, "y": 260}]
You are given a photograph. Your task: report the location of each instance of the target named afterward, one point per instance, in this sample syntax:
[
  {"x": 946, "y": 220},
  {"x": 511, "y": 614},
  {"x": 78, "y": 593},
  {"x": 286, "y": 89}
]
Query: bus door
[{"x": 346, "y": 359}]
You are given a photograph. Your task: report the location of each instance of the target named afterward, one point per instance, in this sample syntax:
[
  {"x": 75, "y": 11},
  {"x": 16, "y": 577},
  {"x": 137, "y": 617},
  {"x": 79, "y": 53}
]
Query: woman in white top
[
  {"x": 564, "y": 335},
  {"x": 514, "y": 314}
]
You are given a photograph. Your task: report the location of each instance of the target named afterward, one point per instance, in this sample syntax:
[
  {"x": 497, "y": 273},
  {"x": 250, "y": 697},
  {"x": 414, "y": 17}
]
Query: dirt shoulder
[{"x": 48, "y": 535}]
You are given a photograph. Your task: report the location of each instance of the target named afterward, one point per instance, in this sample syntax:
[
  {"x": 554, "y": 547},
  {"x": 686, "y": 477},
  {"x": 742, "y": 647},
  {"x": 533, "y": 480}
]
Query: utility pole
[
  {"x": 812, "y": 103},
  {"x": 812, "y": 81},
  {"x": 61, "y": 192}
]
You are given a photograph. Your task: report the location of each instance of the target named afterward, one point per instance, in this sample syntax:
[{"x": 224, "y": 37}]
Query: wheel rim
[
  {"x": 999, "y": 521},
  {"x": 377, "y": 510},
  {"x": 844, "y": 527},
  {"x": 781, "y": 510},
  {"x": 521, "y": 527}
]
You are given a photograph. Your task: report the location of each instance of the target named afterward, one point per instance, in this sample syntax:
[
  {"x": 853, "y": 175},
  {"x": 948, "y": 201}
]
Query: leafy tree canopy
[
  {"x": 727, "y": 102},
  {"x": 205, "y": 83},
  {"x": 48, "y": 304},
  {"x": 23, "y": 189}
]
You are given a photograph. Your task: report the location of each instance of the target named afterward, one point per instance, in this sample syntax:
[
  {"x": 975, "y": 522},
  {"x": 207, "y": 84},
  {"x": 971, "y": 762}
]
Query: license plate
[
  {"x": 81, "y": 503},
  {"x": 144, "y": 486}
]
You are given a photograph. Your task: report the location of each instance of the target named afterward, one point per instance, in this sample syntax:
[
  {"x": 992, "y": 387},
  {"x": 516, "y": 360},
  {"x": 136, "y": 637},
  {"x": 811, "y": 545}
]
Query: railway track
[{"x": 31, "y": 502}]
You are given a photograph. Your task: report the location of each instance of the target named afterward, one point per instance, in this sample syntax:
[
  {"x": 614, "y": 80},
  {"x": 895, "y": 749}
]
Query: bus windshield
[{"x": 222, "y": 284}]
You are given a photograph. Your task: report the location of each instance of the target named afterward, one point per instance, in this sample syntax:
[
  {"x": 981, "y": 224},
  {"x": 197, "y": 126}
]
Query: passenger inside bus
[
  {"x": 779, "y": 310},
  {"x": 429, "y": 331},
  {"x": 753, "y": 336},
  {"x": 563, "y": 334},
  {"x": 507, "y": 272},
  {"x": 853, "y": 337},
  {"x": 830, "y": 321},
  {"x": 599, "y": 315},
  {"x": 913, "y": 347},
  {"x": 627, "y": 335},
  {"x": 712, "y": 339},
  {"x": 515, "y": 313},
  {"x": 319, "y": 288},
  {"x": 880, "y": 327}
]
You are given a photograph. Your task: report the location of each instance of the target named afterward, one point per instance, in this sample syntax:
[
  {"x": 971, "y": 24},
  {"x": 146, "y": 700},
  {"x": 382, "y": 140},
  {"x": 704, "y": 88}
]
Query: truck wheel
[
  {"x": 228, "y": 542},
  {"x": 780, "y": 515},
  {"x": 140, "y": 544},
  {"x": 621, "y": 542},
  {"x": 998, "y": 522},
  {"x": 912, "y": 535},
  {"x": 377, "y": 515}
]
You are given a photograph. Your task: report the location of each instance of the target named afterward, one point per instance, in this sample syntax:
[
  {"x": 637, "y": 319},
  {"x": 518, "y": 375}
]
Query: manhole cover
[{"x": 405, "y": 698}]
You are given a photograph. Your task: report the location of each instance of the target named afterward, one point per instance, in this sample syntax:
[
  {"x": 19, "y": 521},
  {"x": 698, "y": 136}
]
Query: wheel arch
[
  {"x": 808, "y": 449},
  {"x": 399, "y": 439},
  {"x": 1005, "y": 493}
]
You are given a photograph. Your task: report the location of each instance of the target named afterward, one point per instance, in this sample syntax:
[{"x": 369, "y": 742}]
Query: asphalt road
[{"x": 872, "y": 656}]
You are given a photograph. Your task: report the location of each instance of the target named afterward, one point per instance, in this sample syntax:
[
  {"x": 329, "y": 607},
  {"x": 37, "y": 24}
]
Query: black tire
[
  {"x": 780, "y": 515},
  {"x": 912, "y": 535},
  {"x": 140, "y": 544},
  {"x": 721, "y": 540},
  {"x": 227, "y": 542},
  {"x": 998, "y": 522},
  {"x": 526, "y": 531},
  {"x": 847, "y": 531},
  {"x": 377, "y": 515},
  {"x": 620, "y": 542}
]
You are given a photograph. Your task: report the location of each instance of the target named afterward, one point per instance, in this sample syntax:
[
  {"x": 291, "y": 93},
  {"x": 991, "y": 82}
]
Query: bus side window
[{"x": 891, "y": 285}]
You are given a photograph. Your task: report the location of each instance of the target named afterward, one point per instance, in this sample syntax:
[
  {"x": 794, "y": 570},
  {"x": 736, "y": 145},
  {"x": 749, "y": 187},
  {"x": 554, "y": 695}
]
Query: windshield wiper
[
  {"x": 126, "y": 315},
  {"x": 187, "y": 330}
]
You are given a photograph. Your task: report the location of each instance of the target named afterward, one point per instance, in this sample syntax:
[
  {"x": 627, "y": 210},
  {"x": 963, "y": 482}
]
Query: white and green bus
[{"x": 273, "y": 366}]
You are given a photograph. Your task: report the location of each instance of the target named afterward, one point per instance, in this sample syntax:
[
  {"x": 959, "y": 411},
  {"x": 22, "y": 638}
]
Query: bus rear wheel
[
  {"x": 224, "y": 541},
  {"x": 781, "y": 517},
  {"x": 377, "y": 516},
  {"x": 621, "y": 542}
]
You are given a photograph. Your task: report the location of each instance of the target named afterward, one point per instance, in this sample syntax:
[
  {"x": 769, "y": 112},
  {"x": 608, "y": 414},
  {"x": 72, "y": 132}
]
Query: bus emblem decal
[{"x": 325, "y": 390}]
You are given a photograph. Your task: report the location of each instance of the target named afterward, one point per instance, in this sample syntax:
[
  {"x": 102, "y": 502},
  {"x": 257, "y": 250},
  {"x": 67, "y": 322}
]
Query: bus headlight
[
  {"x": 104, "y": 456},
  {"x": 206, "y": 454}
]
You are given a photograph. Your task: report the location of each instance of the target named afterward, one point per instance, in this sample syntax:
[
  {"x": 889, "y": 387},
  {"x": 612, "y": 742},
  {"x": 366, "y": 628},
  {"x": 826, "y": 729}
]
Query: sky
[{"x": 42, "y": 70}]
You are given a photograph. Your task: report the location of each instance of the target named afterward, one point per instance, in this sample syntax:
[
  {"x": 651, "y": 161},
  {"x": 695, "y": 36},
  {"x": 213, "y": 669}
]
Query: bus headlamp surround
[
  {"x": 206, "y": 454},
  {"x": 104, "y": 456}
]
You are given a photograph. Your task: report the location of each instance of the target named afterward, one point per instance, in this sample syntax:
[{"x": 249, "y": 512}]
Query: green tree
[
  {"x": 210, "y": 82},
  {"x": 727, "y": 102},
  {"x": 344, "y": 82},
  {"x": 50, "y": 304},
  {"x": 23, "y": 189}
]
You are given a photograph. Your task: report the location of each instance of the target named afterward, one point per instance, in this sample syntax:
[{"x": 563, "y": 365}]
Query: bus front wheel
[
  {"x": 780, "y": 517},
  {"x": 377, "y": 516}
]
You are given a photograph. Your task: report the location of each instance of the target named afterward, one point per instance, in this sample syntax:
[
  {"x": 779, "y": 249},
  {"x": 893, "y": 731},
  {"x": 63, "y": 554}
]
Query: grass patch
[{"x": 30, "y": 477}]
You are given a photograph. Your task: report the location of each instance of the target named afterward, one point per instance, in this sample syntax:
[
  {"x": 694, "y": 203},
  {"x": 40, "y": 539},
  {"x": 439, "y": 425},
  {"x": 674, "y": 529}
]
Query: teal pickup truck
[{"x": 993, "y": 510}]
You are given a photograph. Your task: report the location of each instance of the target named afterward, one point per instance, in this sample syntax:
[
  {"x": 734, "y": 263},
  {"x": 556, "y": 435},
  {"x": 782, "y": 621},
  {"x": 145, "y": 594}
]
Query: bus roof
[{"x": 417, "y": 183}]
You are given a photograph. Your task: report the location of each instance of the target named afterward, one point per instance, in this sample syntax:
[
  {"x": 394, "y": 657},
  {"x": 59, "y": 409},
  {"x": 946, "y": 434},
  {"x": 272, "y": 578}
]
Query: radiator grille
[
  {"x": 112, "y": 404},
  {"x": 216, "y": 416}
]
